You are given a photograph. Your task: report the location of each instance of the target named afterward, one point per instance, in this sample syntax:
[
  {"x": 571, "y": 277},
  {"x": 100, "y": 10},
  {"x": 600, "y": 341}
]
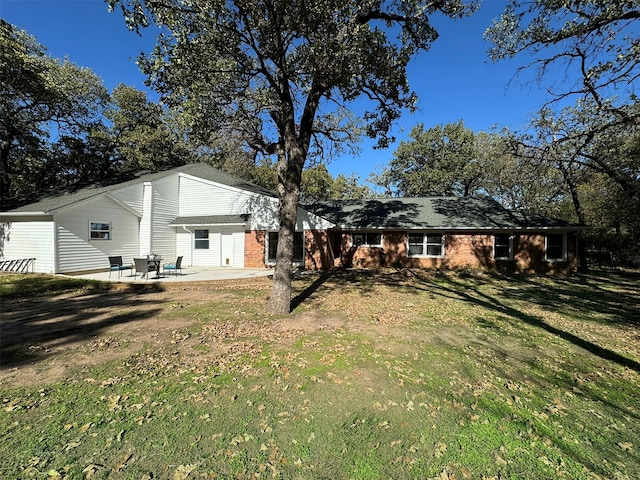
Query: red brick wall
[
  {"x": 529, "y": 254},
  {"x": 472, "y": 249},
  {"x": 317, "y": 253},
  {"x": 254, "y": 248}
]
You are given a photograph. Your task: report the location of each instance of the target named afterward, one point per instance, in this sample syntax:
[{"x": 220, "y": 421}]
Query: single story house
[
  {"x": 446, "y": 232},
  {"x": 214, "y": 219}
]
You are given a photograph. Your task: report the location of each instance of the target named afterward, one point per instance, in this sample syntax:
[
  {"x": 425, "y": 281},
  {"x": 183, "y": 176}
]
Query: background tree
[
  {"x": 596, "y": 44},
  {"x": 319, "y": 185},
  {"x": 143, "y": 134},
  {"x": 585, "y": 157},
  {"x": 40, "y": 98},
  {"x": 596, "y": 47},
  {"x": 284, "y": 72},
  {"x": 439, "y": 161}
]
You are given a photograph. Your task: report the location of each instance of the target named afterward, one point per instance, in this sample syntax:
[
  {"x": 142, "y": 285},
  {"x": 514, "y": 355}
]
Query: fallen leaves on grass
[
  {"x": 122, "y": 463},
  {"x": 183, "y": 472}
]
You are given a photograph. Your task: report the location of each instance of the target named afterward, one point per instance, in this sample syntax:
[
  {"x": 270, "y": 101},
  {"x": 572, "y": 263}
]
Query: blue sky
[{"x": 454, "y": 80}]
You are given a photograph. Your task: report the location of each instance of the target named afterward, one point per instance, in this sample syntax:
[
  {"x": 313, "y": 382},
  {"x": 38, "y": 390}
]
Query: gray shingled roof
[
  {"x": 211, "y": 220},
  {"x": 202, "y": 170},
  {"x": 428, "y": 213}
]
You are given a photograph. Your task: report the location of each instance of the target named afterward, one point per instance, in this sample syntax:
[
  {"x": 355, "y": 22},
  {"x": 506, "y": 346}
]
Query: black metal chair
[
  {"x": 116, "y": 265},
  {"x": 173, "y": 266}
]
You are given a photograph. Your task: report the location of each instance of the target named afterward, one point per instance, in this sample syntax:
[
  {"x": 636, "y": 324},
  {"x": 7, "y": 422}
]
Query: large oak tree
[
  {"x": 284, "y": 72},
  {"x": 40, "y": 98}
]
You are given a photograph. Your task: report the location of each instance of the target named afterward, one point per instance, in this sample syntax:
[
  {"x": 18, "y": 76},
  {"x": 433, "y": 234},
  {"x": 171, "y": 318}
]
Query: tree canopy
[
  {"x": 596, "y": 43},
  {"x": 41, "y": 97},
  {"x": 439, "y": 161},
  {"x": 283, "y": 73}
]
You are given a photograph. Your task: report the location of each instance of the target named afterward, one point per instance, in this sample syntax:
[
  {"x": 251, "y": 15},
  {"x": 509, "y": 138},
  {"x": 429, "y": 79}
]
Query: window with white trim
[
  {"x": 426, "y": 245},
  {"x": 99, "y": 230},
  {"x": 502, "y": 246},
  {"x": 556, "y": 247},
  {"x": 366, "y": 239},
  {"x": 298, "y": 247},
  {"x": 201, "y": 239}
]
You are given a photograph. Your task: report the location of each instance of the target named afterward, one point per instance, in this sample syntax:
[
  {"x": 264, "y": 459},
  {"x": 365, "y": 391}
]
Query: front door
[{"x": 226, "y": 249}]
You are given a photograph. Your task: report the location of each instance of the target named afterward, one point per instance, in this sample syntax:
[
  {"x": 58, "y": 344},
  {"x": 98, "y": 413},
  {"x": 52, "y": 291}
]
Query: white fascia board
[
  {"x": 24, "y": 214},
  {"x": 185, "y": 225}
]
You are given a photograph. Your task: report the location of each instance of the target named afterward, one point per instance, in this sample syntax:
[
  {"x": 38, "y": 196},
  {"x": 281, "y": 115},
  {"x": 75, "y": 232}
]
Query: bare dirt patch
[{"x": 42, "y": 338}]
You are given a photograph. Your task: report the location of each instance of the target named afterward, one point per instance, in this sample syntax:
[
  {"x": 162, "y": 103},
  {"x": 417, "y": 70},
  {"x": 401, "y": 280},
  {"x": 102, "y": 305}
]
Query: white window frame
[
  {"x": 206, "y": 239},
  {"x": 93, "y": 230},
  {"x": 510, "y": 255},
  {"x": 269, "y": 241},
  {"x": 366, "y": 242},
  {"x": 426, "y": 244},
  {"x": 564, "y": 248}
]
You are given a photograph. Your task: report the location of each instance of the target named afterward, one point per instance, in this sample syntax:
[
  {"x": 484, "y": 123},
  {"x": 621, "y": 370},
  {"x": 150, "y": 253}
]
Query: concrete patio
[{"x": 189, "y": 274}]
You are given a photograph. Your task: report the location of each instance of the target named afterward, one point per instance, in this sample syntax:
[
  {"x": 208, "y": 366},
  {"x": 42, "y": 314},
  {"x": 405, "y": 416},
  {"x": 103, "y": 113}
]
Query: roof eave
[{"x": 203, "y": 224}]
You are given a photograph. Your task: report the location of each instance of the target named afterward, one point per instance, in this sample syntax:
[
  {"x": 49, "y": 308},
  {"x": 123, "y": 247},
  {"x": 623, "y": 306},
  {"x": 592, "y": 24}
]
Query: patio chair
[
  {"x": 173, "y": 266},
  {"x": 142, "y": 266},
  {"x": 116, "y": 265}
]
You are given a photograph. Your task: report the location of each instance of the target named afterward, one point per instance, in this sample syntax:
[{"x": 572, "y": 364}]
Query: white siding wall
[
  {"x": 165, "y": 210},
  {"x": 30, "y": 240},
  {"x": 200, "y": 197},
  {"x": 213, "y": 256},
  {"x": 184, "y": 246},
  {"x": 238, "y": 249},
  {"x": 76, "y": 252},
  {"x": 132, "y": 196},
  {"x": 208, "y": 257}
]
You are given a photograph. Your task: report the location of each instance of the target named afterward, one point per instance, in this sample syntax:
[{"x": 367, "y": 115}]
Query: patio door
[{"x": 226, "y": 249}]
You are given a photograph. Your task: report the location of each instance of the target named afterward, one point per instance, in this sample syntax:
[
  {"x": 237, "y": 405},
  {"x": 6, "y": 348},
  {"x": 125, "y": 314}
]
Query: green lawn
[{"x": 375, "y": 375}]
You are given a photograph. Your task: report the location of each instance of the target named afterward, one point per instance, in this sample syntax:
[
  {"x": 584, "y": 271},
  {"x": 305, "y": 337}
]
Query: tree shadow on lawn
[
  {"x": 305, "y": 294},
  {"x": 34, "y": 328},
  {"x": 625, "y": 312},
  {"x": 583, "y": 296}
]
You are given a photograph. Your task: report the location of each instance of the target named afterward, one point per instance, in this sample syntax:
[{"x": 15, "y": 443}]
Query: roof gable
[{"x": 70, "y": 196}]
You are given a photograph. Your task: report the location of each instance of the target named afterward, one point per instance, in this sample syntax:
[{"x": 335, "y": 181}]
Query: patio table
[{"x": 156, "y": 261}]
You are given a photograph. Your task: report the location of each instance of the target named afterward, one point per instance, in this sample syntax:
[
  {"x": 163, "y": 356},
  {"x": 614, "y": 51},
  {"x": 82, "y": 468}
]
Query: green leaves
[{"x": 443, "y": 160}]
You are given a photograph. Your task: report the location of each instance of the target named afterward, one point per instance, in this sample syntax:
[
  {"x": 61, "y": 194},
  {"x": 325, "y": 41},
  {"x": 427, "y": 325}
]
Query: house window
[
  {"x": 502, "y": 246},
  {"x": 99, "y": 231},
  {"x": 368, "y": 239},
  {"x": 556, "y": 247},
  {"x": 426, "y": 245},
  {"x": 201, "y": 239},
  {"x": 298, "y": 247}
]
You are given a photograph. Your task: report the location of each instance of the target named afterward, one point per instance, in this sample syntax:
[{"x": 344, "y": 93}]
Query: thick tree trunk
[
  {"x": 583, "y": 266},
  {"x": 289, "y": 180},
  {"x": 5, "y": 174}
]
